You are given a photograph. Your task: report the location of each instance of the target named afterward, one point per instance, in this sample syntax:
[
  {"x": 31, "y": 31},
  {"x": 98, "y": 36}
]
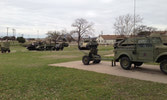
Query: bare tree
[
  {"x": 145, "y": 30},
  {"x": 124, "y": 25},
  {"x": 82, "y": 27},
  {"x": 58, "y": 36},
  {"x": 53, "y": 35}
]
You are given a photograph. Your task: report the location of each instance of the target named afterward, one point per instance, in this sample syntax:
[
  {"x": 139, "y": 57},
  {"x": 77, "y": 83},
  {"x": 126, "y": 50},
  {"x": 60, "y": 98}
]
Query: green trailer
[{"x": 5, "y": 47}]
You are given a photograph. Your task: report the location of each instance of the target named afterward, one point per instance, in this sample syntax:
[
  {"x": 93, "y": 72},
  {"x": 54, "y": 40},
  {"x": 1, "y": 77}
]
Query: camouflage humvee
[
  {"x": 138, "y": 50},
  {"x": 5, "y": 47}
]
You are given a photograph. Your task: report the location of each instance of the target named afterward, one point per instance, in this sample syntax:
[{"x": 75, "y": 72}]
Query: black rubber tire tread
[
  {"x": 129, "y": 63},
  {"x": 86, "y": 60},
  {"x": 162, "y": 64}
]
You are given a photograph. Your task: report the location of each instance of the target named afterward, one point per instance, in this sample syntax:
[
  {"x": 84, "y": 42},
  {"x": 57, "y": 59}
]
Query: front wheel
[
  {"x": 62, "y": 48},
  {"x": 86, "y": 60},
  {"x": 8, "y": 51},
  {"x": 125, "y": 63},
  {"x": 163, "y": 66},
  {"x": 57, "y": 49}
]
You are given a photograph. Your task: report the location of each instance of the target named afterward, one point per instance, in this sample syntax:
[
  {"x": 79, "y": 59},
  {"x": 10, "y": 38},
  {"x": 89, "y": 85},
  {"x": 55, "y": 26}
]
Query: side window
[
  {"x": 156, "y": 40},
  {"x": 144, "y": 43}
]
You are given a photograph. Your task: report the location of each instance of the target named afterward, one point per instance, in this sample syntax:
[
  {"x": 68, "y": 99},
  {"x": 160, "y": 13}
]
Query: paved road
[{"x": 145, "y": 72}]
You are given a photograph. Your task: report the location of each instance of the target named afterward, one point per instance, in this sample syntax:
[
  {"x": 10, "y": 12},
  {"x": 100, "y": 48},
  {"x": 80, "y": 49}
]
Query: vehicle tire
[
  {"x": 97, "y": 61},
  {"x": 79, "y": 48},
  {"x": 62, "y": 48},
  {"x": 85, "y": 60},
  {"x": 138, "y": 63},
  {"x": 163, "y": 66},
  {"x": 125, "y": 63},
  {"x": 8, "y": 51},
  {"x": 53, "y": 48}
]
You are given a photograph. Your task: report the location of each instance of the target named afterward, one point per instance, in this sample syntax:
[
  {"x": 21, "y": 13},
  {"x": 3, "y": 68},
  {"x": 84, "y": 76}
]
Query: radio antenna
[
  {"x": 134, "y": 18},
  {"x": 134, "y": 31}
]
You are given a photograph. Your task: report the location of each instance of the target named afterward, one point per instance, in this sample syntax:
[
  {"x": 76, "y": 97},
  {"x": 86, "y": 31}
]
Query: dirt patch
[{"x": 145, "y": 72}]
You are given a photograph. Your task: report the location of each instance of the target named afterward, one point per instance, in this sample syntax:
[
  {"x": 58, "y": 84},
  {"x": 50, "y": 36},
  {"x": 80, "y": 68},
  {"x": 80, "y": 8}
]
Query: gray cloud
[{"x": 28, "y": 16}]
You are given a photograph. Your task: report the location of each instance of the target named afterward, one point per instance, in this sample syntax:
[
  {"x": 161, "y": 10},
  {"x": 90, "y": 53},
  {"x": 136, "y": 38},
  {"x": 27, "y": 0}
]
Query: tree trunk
[{"x": 79, "y": 38}]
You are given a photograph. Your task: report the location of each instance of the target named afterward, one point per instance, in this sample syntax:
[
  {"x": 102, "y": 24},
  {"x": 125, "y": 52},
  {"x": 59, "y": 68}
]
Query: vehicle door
[{"x": 144, "y": 50}]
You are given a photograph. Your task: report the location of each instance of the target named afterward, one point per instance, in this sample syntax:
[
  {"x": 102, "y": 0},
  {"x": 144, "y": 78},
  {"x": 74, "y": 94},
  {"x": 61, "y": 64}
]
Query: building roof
[
  {"x": 160, "y": 32},
  {"x": 110, "y": 37}
]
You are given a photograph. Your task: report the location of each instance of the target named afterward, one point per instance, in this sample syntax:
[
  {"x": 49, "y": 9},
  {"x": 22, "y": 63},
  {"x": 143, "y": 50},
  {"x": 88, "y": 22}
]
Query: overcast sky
[{"x": 28, "y": 16}]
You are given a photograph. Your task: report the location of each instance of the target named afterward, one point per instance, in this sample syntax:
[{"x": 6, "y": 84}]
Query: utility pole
[
  {"x": 13, "y": 32},
  {"x": 13, "y": 38},
  {"x": 7, "y": 33},
  {"x": 37, "y": 34},
  {"x": 134, "y": 17}
]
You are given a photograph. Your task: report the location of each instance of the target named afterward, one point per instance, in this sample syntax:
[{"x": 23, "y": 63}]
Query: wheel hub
[
  {"x": 125, "y": 63},
  {"x": 165, "y": 67}
]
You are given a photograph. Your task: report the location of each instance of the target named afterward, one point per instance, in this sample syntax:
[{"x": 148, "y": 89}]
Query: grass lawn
[{"x": 25, "y": 75}]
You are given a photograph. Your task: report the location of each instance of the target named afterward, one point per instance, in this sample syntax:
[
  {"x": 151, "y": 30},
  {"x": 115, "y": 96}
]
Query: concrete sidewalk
[{"x": 145, "y": 72}]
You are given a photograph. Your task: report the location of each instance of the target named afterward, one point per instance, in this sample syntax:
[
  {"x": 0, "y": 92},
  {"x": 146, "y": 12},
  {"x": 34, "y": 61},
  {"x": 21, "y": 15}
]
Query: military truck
[
  {"x": 5, "y": 47},
  {"x": 138, "y": 50},
  {"x": 164, "y": 39}
]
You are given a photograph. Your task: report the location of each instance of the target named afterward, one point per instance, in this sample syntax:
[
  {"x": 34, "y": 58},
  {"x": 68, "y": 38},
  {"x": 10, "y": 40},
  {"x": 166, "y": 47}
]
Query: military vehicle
[
  {"x": 32, "y": 46},
  {"x": 138, "y": 50},
  {"x": 93, "y": 54},
  {"x": 41, "y": 46},
  {"x": 5, "y": 47},
  {"x": 60, "y": 46},
  {"x": 87, "y": 44},
  {"x": 164, "y": 39}
]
